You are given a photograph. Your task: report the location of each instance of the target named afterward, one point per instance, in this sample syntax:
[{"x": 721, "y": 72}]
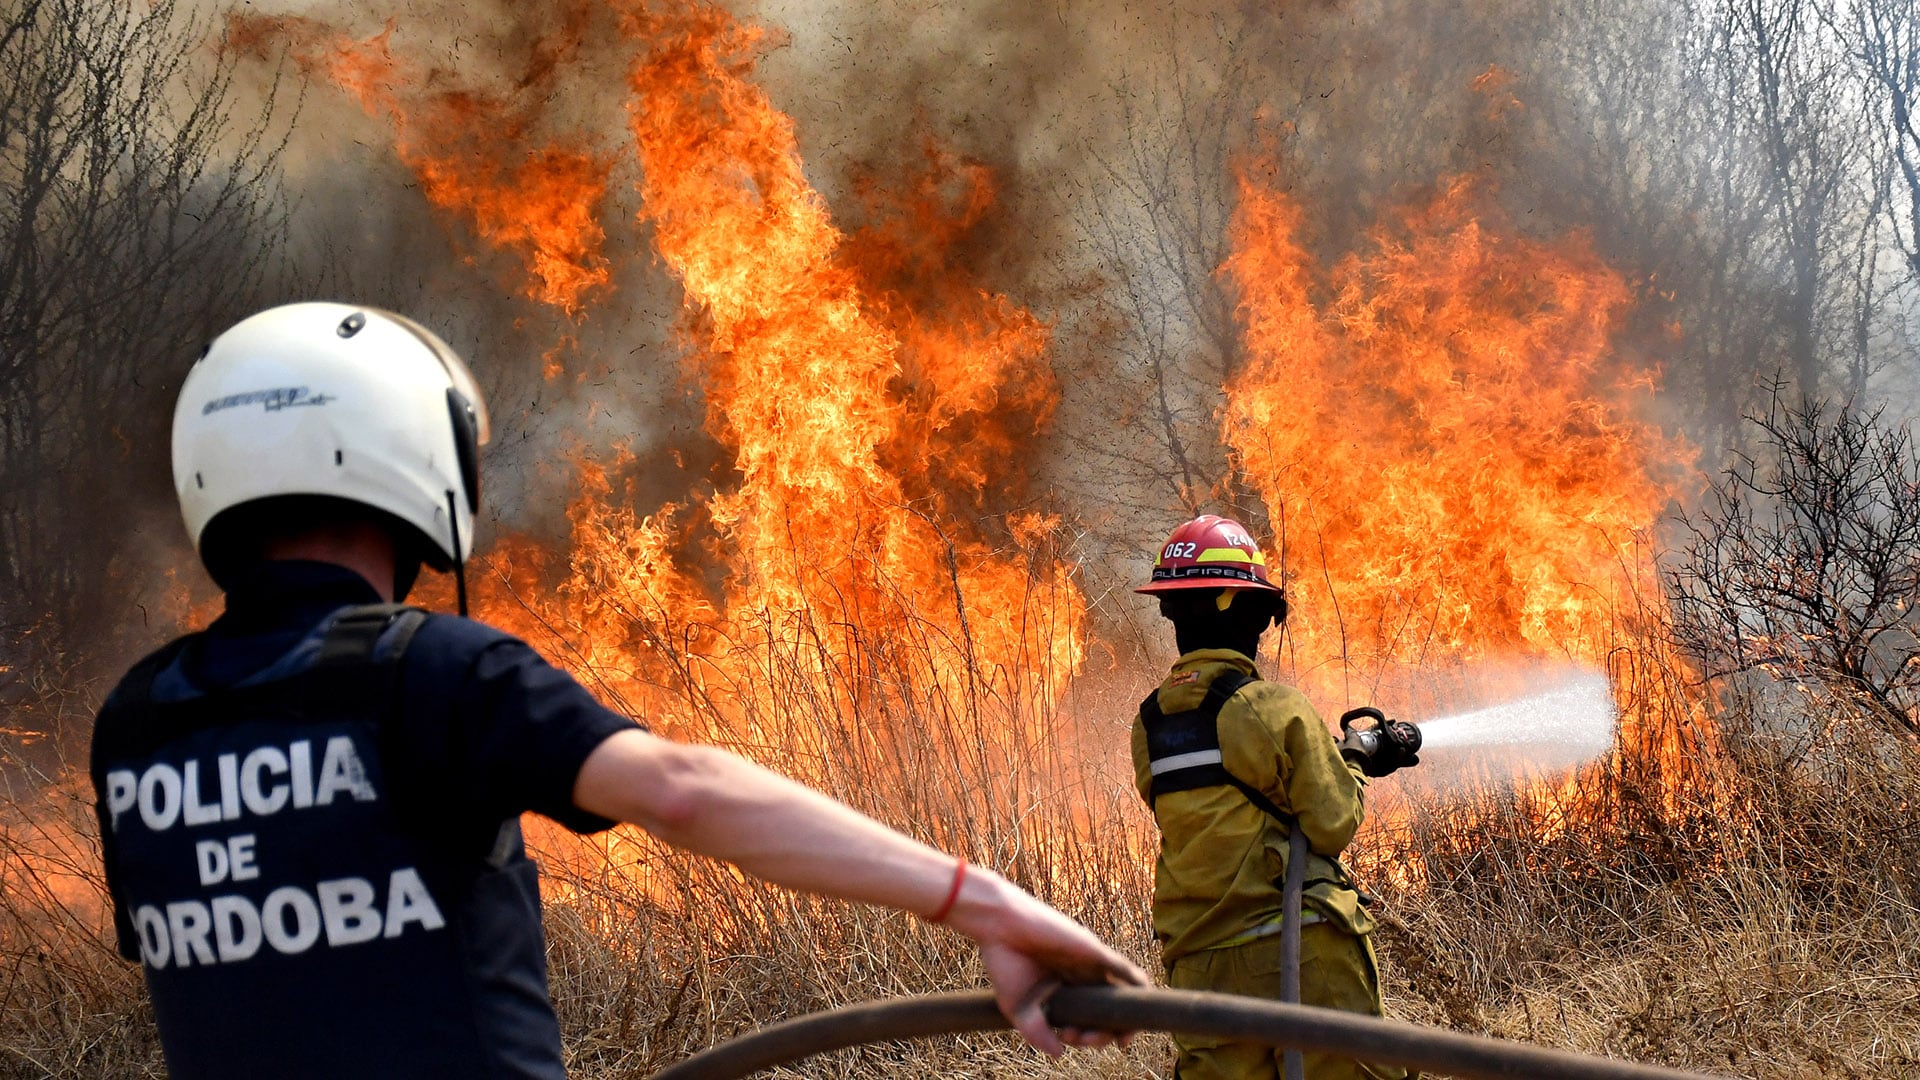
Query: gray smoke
[{"x": 1111, "y": 131}]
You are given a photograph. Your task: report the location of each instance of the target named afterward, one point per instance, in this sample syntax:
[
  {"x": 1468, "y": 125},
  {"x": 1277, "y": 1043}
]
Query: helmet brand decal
[
  {"x": 284, "y": 397},
  {"x": 1177, "y": 573}
]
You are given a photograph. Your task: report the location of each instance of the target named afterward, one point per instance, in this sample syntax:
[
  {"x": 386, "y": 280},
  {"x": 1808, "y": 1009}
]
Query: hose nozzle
[{"x": 1383, "y": 746}]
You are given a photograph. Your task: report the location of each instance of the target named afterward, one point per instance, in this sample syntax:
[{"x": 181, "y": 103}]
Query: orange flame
[
  {"x": 1443, "y": 427},
  {"x": 1447, "y": 437},
  {"x": 977, "y": 383},
  {"x": 843, "y": 402},
  {"x": 469, "y": 149},
  {"x": 875, "y": 402}
]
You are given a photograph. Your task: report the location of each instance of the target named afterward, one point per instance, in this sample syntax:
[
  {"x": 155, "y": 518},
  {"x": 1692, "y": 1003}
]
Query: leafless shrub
[
  {"x": 1735, "y": 921},
  {"x": 139, "y": 213},
  {"x": 1803, "y": 563}
]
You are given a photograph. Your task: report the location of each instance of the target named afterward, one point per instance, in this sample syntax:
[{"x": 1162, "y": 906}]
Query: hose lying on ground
[{"x": 1126, "y": 1009}]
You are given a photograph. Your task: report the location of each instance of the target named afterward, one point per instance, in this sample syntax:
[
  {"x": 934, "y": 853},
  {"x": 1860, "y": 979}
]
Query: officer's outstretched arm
[{"x": 719, "y": 804}]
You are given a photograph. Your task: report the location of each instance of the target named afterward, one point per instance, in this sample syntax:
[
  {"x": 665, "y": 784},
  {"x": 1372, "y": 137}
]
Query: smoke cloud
[{"x": 1110, "y": 134}]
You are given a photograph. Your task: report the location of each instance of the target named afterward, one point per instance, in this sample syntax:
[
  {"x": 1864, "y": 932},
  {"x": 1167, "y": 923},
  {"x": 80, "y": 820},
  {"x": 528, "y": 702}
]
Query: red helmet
[{"x": 1210, "y": 552}]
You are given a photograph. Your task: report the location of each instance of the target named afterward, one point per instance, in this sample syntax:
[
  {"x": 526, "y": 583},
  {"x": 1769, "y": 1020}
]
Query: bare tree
[
  {"x": 137, "y": 216},
  {"x": 1883, "y": 38},
  {"x": 1740, "y": 161},
  {"x": 1789, "y": 72},
  {"x": 1158, "y": 218},
  {"x": 1645, "y": 148},
  {"x": 1804, "y": 562}
]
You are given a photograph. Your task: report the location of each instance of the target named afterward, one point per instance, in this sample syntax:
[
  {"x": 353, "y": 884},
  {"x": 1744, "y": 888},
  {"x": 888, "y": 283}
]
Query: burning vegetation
[
  {"x": 1452, "y": 438},
  {"x": 858, "y": 527}
]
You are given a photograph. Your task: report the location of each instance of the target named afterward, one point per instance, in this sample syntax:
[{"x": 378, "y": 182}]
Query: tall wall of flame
[
  {"x": 1447, "y": 436},
  {"x": 829, "y": 401},
  {"x": 1442, "y": 424},
  {"x": 872, "y": 404}
]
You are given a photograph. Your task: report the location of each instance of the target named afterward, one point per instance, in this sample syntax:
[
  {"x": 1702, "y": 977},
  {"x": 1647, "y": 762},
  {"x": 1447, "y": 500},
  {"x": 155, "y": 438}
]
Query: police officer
[
  {"x": 310, "y": 810},
  {"x": 1230, "y": 765}
]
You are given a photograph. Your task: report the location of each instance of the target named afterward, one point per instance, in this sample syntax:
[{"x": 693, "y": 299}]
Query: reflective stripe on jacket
[{"x": 1222, "y": 859}]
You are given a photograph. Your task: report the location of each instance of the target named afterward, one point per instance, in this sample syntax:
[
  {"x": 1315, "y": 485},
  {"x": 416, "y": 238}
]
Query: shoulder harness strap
[
  {"x": 376, "y": 636},
  {"x": 369, "y": 632},
  {"x": 372, "y": 637},
  {"x": 1183, "y": 749}
]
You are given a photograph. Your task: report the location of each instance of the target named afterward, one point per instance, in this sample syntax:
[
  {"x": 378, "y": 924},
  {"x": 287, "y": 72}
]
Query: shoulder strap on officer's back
[
  {"x": 369, "y": 632},
  {"x": 1183, "y": 749},
  {"x": 377, "y": 633},
  {"x": 374, "y": 636}
]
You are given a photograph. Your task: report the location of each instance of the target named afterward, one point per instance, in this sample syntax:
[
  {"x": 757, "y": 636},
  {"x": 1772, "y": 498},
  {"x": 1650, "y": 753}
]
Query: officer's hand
[{"x": 1029, "y": 951}]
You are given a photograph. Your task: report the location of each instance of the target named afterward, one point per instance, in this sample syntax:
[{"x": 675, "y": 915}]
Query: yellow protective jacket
[{"x": 1223, "y": 860}]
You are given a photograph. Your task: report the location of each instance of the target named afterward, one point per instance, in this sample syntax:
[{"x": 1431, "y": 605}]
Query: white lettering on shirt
[
  {"x": 195, "y": 811},
  {"x": 236, "y": 928},
  {"x": 160, "y": 797},
  {"x": 302, "y": 755},
  {"x": 262, "y": 801},
  {"x": 231, "y": 929},
  {"x": 211, "y": 856},
  {"x": 346, "y": 906},
  {"x": 264, "y": 782},
  {"x": 341, "y": 770},
  {"x": 152, "y": 928},
  {"x": 409, "y": 901},
  {"x": 122, "y": 785},
  {"x": 188, "y": 924},
  {"x": 284, "y": 901},
  {"x": 229, "y": 786}
]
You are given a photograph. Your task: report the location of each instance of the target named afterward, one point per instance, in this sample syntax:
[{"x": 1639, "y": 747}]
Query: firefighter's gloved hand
[
  {"x": 1386, "y": 747},
  {"x": 1399, "y": 749}
]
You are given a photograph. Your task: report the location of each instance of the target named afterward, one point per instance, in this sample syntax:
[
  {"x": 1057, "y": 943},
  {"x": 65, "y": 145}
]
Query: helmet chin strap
[{"x": 459, "y": 557}]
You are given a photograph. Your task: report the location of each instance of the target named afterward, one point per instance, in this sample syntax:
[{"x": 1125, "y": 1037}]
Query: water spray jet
[
  {"x": 1558, "y": 721},
  {"x": 1573, "y": 717}
]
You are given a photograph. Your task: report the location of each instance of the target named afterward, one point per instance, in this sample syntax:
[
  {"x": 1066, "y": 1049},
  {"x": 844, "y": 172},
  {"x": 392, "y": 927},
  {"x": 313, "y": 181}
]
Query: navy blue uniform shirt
[
  {"x": 320, "y": 867},
  {"x": 516, "y": 729}
]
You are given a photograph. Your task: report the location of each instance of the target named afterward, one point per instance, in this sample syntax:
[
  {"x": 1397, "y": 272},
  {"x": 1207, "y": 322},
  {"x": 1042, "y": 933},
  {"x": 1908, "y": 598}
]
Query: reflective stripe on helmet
[
  {"x": 1215, "y": 574},
  {"x": 1230, "y": 555}
]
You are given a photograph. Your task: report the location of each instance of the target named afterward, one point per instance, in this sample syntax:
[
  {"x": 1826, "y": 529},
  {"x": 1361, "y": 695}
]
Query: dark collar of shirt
[
  {"x": 505, "y": 730},
  {"x": 268, "y": 612},
  {"x": 1200, "y": 658}
]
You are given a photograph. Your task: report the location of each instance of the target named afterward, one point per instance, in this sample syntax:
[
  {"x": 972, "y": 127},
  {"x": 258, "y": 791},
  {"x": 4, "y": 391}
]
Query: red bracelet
[{"x": 959, "y": 875}]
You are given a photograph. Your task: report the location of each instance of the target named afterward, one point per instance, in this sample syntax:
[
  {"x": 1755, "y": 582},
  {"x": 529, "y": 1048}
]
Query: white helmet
[{"x": 322, "y": 399}]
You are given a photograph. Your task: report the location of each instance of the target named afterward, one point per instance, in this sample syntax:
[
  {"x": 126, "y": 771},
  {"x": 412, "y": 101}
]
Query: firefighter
[
  {"x": 310, "y": 810},
  {"x": 1230, "y": 764}
]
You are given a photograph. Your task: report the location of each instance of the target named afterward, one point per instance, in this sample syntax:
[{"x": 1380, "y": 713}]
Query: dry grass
[
  {"x": 1755, "y": 918},
  {"x": 68, "y": 1005}
]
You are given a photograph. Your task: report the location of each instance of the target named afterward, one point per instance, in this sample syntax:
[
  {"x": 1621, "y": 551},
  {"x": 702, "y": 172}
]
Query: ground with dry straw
[{"x": 1743, "y": 906}]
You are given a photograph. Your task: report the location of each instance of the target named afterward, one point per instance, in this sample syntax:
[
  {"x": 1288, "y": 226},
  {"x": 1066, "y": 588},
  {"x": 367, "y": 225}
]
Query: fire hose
[
  {"x": 1284, "y": 1023},
  {"x": 1107, "y": 1008},
  {"x": 1294, "y": 1066}
]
